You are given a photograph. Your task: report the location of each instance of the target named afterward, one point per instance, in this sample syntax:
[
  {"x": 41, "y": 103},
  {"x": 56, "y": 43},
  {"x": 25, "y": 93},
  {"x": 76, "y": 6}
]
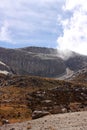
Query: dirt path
[{"x": 70, "y": 121}]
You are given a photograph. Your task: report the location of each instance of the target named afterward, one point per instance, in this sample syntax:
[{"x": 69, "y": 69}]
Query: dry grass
[{"x": 13, "y": 103}]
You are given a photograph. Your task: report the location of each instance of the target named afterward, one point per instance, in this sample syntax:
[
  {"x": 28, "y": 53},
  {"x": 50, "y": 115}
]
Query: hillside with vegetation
[{"x": 21, "y": 96}]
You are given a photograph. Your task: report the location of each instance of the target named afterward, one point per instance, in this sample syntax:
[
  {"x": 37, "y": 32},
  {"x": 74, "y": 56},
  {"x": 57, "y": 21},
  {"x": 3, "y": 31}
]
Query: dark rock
[
  {"x": 38, "y": 114},
  {"x": 4, "y": 121}
]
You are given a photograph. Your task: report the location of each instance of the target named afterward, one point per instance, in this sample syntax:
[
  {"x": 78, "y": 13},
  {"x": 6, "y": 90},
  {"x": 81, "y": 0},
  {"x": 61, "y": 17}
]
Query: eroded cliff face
[
  {"x": 38, "y": 61},
  {"x": 25, "y": 62}
]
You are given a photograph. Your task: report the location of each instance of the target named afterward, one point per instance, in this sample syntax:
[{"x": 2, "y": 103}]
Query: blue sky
[
  {"x": 60, "y": 24},
  {"x": 30, "y": 23}
]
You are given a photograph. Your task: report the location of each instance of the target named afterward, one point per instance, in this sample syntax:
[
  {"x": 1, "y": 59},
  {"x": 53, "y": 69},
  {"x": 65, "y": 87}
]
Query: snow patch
[
  {"x": 2, "y": 63},
  {"x": 4, "y": 72}
]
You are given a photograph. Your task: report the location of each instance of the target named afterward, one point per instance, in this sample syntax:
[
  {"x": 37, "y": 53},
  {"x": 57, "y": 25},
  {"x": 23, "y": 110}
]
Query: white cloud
[
  {"x": 4, "y": 32},
  {"x": 74, "y": 35}
]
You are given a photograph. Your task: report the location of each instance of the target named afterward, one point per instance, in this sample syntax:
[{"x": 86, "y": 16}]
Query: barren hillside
[{"x": 37, "y": 61}]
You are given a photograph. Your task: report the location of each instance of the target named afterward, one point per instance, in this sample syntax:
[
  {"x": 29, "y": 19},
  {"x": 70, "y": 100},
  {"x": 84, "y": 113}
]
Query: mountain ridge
[{"x": 39, "y": 61}]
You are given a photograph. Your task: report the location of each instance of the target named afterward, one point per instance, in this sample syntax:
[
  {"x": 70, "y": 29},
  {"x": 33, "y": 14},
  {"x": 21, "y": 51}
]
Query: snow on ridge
[
  {"x": 4, "y": 72},
  {"x": 2, "y": 63}
]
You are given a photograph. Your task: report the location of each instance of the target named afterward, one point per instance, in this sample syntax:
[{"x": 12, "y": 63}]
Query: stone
[{"x": 38, "y": 114}]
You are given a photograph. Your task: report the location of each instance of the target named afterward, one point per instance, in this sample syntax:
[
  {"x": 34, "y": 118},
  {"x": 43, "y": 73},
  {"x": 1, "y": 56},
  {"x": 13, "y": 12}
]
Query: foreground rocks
[
  {"x": 21, "y": 96},
  {"x": 59, "y": 99},
  {"x": 70, "y": 121}
]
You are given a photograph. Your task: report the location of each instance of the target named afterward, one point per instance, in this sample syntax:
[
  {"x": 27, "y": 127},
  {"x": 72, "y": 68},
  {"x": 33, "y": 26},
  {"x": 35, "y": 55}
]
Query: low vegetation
[{"x": 20, "y": 96}]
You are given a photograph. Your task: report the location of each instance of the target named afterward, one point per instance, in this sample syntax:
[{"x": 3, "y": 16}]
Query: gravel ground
[{"x": 69, "y": 121}]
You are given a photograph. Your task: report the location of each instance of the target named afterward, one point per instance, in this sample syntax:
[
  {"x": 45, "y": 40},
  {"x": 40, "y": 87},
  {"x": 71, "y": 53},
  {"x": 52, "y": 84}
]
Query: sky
[{"x": 58, "y": 24}]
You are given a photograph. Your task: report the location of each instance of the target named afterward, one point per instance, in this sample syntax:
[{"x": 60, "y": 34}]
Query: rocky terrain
[
  {"x": 37, "y": 61},
  {"x": 70, "y": 121},
  {"x": 80, "y": 76},
  {"x": 26, "y": 96}
]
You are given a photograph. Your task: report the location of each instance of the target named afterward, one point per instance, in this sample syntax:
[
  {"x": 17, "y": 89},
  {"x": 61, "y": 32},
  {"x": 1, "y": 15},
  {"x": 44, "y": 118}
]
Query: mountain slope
[
  {"x": 23, "y": 62},
  {"x": 37, "y": 61},
  {"x": 80, "y": 76}
]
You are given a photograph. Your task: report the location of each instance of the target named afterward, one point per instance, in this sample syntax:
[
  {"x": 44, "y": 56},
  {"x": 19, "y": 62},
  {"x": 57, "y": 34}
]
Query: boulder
[{"x": 38, "y": 114}]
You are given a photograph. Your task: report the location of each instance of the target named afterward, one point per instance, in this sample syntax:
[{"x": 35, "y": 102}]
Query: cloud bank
[{"x": 74, "y": 26}]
